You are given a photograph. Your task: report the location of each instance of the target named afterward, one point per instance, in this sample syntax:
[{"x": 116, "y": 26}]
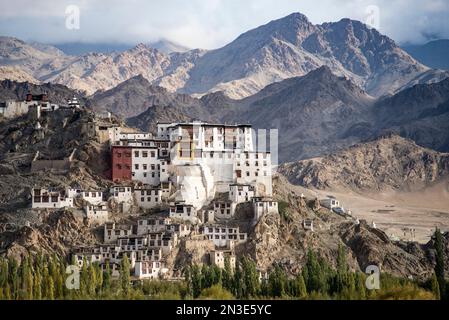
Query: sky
[{"x": 208, "y": 24}]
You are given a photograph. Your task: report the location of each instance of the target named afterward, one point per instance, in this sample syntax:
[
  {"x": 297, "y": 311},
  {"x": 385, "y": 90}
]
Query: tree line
[{"x": 44, "y": 277}]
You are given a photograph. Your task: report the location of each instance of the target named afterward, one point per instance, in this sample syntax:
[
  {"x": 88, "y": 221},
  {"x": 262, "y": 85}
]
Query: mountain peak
[{"x": 297, "y": 16}]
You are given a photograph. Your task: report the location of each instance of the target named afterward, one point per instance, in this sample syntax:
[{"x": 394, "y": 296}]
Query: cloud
[{"x": 208, "y": 23}]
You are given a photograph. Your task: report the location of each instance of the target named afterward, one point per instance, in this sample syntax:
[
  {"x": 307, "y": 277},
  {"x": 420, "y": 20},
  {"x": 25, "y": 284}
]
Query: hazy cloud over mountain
[{"x": 211, "y": 23}]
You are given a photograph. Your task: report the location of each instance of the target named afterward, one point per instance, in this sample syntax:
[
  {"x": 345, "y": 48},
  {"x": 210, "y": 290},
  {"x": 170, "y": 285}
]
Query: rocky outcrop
[{"x": 387, "y": 163}]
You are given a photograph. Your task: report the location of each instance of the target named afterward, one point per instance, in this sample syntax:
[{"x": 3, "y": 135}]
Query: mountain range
[{"x": 288, "y": 47}]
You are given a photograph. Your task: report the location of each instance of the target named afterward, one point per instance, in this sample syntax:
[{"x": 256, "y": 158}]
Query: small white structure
[
  {"x": 208, "y": 216},
  {"x": 222, "y": 236},
  {"x": 112, "y": 232},
  {"x": 163, "y": 240},
  {"x": 50, "y": 199},
  {"x": 308, "y": 224},
  {"x": 182, "y": 230},
  {"x": 97, "y": 213},
  {"x": 122, "y": 194},
  {"x": 330, "y": 203},
  {"x": 217, "y": 257},
  {"x": 224, "y": 209},
  {"x": 262, "y": 206},
  {"x": 148, "y": 197},
  {"x": 240, "y": 193},
  {"x": 149, "y": 269},
  {"x": 154, "y": 224},
  {"x": 184, "y": 212},
  {"x": 93, "y": 197}
]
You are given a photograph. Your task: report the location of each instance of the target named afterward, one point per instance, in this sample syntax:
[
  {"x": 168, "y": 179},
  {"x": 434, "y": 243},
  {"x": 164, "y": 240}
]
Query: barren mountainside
[{"x": 388, "y": 163}]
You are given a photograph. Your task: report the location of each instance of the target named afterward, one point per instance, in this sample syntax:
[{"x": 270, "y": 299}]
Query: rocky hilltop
[
  {"x": 136, "y": 95},
  {"x": 387, "y": 163}
]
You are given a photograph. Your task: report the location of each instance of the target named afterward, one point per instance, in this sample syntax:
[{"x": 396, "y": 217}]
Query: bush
[{"x": 216, "y": 292}]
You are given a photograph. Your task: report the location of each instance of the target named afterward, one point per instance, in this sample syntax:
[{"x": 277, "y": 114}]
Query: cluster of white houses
[{"x": 34, "y": 105}]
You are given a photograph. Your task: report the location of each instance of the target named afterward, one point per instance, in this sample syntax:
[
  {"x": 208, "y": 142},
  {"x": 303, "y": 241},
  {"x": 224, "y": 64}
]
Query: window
[
  {"x": 247, "y": 173},
  {"x": 144, "y": 167},
  {"x": 136, "y": 154},
  {"x": 153, "y": 154},
  {"x": 145, "y": 154},
  {"x": 136, "y": 166}
]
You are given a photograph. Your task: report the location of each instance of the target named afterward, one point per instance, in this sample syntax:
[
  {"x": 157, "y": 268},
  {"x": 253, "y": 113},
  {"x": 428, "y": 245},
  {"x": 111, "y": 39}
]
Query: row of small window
[
  {"x": 92, "y": 194},
  {"x": 144, "y": 154},
  {"x": 145, "y": 174},
  {"x": 152, "y": 222},
  {"x": 256, "y": 164},
  {"x": 46, "y": 199},
  {"x": 125, "y": 154},
  {"x": 224, "y": 212},
  {"x": 149, "y": 192},
  {"x": 230, "y": 237},
  {"x": 145, "y": 166},
  {"x": 256, "y": 174},
  {"x": 217, "y": 230},
  {"x": 270, "y": 204},
  {"x": 142, "y": 199},
  {"x": 125, "y": 166}
]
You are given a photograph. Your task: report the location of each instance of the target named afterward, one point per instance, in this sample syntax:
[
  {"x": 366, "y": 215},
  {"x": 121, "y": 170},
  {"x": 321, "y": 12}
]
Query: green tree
[
  {"x": 125, "y": 277},
  {"x": 314, "y": 275},
  {"x": 250, "y": 278},
  {"x": 107, "y": 276},
  {"x": 301, "y": 287},
  {"x": 435, "y": 286},
  {"x": 196, "y": 281},
  {"x": 226, "y": 274},
  {"x": 439, "y": 266}
]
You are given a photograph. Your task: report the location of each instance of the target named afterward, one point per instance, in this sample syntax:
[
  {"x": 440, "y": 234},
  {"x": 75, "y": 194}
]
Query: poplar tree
[
  {"x": 439, "y": 266},
  {"x": 435, "y": 287},
  {"x": 37, "y": 289},
  {"x": 196, "y": 281},
  {"x": 125, "y": 276},
  {"x": 226, "y": 274},
  {"x": 107, "y": 278}
]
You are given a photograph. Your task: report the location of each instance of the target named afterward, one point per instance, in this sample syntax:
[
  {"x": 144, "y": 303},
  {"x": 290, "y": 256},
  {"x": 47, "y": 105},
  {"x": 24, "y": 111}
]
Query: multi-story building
[
  {"x": 147, "y": 197},
  {"x": 218, "y": 257},
  {"x": 113, "y": 232},
  {"x": 97, "y": 213},
  {"x": 222, "y": 236},
  {"x": 240, "y": 193},
  {"x": 184, "y": 212},
  {"x": 153, "y": 224},
  {"x": 122, "y": 193},
  {"x": 262, "y": 206},
  {"x": 50, "y": 199}
]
